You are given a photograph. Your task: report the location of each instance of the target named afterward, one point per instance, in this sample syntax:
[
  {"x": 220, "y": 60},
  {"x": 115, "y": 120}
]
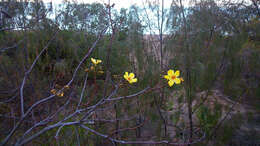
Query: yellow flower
[
  {"x": 172, "y": 77},
  {"x": 100, "y": 72},
  {"x": 130, "y": 77},
  {"x": 60, "y": 94},
  {"x": 95, "y": 61},
  {"x": 53, "y": 91},
  {"x": 66, "y": 87}
]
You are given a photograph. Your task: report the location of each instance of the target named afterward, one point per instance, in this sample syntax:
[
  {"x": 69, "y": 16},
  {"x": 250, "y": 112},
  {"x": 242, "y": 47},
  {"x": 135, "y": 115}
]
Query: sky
[
  {"x": 127, "y": 3},
  {"x": 118, "y": 3}
]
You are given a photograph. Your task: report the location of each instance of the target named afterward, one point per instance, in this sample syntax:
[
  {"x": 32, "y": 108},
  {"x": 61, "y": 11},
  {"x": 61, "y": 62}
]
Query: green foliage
[
  {"x": 220, "y": 50},
  {"x": 208, "y": 117}
]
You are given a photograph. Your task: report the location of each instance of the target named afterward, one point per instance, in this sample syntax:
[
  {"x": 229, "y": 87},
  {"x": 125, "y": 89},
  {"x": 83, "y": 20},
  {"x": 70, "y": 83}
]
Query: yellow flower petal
[
  {"x": 93, "y": 60},
  {"x": 126, "y": 75},
  {"x": 177, "y": 73},
  {"x": 170, "y": 83},
  {"x": 167, "y": 77},
  {"x": 131, "y": 75},
  {"x": 133, "y": 80},
  {"x": 182, "y": 79},
  {"x": 66, "y": 87},
  {"x": 177, "y": 80},
  {"x": 170, "y": 72},
  {"x": 60, "y": 94},
  {"x": 99, "y": 61},
  {"x": 53, "y": 91}
]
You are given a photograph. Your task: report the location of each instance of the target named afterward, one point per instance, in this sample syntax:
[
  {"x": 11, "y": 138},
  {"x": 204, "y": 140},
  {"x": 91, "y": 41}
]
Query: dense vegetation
[{"x": 51, "y": 93}]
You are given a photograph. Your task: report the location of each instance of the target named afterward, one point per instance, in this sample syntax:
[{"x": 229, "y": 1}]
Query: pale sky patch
[
  {"x": 127, "y": 3},
  {"x": 118, "y": 3}
]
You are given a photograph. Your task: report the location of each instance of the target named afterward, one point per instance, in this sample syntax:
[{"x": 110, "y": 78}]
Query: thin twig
[{"x": 83, "y": 90}]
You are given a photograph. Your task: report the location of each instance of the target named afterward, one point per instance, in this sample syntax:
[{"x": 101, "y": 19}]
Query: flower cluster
[
  {"x": 95, "y": 61},
  {"x": 59, "y": 93},
  {"x": 172, "y": 77},
  {"x": 95, "y": 68}
]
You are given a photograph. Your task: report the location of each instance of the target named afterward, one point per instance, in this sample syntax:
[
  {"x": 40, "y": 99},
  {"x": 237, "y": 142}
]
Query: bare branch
[{"x": 129, "y": 96}]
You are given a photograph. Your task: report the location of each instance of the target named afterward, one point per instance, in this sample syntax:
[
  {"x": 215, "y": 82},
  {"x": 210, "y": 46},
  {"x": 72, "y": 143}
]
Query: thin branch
[
  {"x": 129, "y": 96},
  {"x": 30, "y": 69},
  {"x": 227, "y": 114},
  {"x": 52, "y": 96},
  {"x": 83, "y": 90},
  {"x": 14, "y": 46},
  {"x": 44, "y": 130},
  {"x": 78, "y": 135}
]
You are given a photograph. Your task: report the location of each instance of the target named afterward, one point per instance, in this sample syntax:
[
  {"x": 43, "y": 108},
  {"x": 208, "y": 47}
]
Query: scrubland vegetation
[{"x": 90, "y": 74}]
